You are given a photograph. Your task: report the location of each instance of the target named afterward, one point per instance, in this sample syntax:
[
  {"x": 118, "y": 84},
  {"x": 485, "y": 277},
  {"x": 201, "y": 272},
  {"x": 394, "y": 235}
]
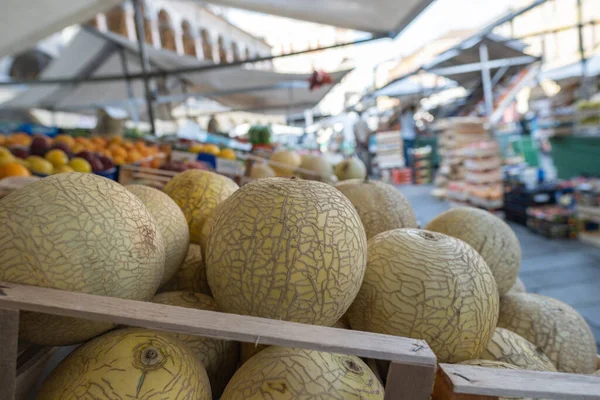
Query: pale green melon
[
  {"x": 352, "y": 168},
  {"x": 507, "y": 346}
]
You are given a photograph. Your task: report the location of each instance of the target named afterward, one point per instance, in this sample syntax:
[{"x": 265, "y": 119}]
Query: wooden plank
[
  {"x": 9, "y": 341},
  {"x": 30, "y": 370},
  {"x": 467, "y": 379},
  {"x": 215, "y": 324},
  {"x": 444, "y": 390},
  {"x": 409, "y": 382}
]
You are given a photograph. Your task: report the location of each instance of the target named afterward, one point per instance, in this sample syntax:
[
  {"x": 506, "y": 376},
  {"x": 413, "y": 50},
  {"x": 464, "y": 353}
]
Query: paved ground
[{"x": 567, "y": 270}]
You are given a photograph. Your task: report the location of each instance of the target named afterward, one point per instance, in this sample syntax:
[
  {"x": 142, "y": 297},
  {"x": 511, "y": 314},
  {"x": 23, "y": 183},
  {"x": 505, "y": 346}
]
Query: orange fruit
[
  {"x": 211, "y": 149},
  {"x": 13, "y": 169},
  {"x": 155, "y": 163},
  {"x": 116, "y": 140},
  {"x": 119, "y": 152},
  {"x": 57, "y": 157},
  {"x": 2, "y": 140},
  {"x": 62, "y": 138},
  {"x": 20, "y": 138},
  {"x": 119, "y": 160},
  {"x": 134, "y": 156},
  {"x": 228, "y": 154}
]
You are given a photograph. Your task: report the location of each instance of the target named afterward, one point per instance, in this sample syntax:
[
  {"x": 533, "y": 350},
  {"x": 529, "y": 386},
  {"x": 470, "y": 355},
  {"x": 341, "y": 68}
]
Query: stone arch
[
  {"x": 223, "y": 58},
  {"x": 116, "y": 21},
  {"x": 188, "y": 39},
  {"x": 235, "y": 51},
  {"x": 207, "y": 47},
  {"x": 166, "y": 31}
]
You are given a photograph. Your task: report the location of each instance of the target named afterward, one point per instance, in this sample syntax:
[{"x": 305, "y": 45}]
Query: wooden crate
[{"x": 411, "y": 373}]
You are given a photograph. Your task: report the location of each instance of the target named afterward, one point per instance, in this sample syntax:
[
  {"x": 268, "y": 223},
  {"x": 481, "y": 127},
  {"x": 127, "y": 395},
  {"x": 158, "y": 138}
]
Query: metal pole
[
  {"x": 139, "y": 28},
  {"x": 130, "y": 92},
  {"x": 486, "y": 78},
  {"x": 584, "y": 89}
]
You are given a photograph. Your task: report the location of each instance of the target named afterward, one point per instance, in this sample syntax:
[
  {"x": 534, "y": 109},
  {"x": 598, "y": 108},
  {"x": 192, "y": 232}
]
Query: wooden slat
[
  {"x": 9, "y": 341},
  {"x": 409, "y": 382},
  {"x": 30, "y": 370},
  {"x": 443, "y": 390},
  {"x": 466, "y": 379},
  {"x": 215, "y": 324}
]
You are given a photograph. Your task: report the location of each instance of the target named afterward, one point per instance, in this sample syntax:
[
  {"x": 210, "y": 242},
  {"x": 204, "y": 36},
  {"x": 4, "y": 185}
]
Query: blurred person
[
  {"x": 362, "y": 134},
  {"x": 409, "y": 131}
]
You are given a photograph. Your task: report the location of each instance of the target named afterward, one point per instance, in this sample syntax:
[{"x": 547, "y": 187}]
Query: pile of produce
[{"x": 289, "y": 249}]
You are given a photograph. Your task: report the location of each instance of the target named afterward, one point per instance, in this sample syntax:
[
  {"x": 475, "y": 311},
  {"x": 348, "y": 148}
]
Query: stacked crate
[{"x": 483, "y": 175}]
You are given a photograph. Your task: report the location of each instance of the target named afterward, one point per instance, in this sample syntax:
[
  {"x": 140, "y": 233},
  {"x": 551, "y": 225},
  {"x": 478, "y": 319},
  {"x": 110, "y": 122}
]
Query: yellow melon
[
  {"x": 286, "y": 249},
  {"x": 285, "y": 162},
  {"x": 557, "y": 329},
  {"x": 82, "y": 233},
  {"x": 518, "y": 287},
  {"x": 171, "y": 223},
  {"x": 381, "y": 206},
  {"x": 352, "y": 168},
  {"x": 219, "y": 357},
  {"x": 489, "y": 364},
  {"x": 129, "y": 363},
  {"x": 507, "y": 346},
  {"x": 191, "y": 275},
  {"x": 261, "y": 170},
  {"x": 489, "y": 236},
  {"x": 318, "y": 166},
  {"x": 428, "y": 286},
  {"x": 198, "y": 193},
  {"x": 206, "y": 229},
  {"x": 279, "y": 373}
]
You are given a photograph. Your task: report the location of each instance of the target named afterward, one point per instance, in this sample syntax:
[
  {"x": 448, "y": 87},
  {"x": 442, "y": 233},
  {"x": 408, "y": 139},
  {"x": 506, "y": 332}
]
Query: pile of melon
[{"x": 349, "y": 256}]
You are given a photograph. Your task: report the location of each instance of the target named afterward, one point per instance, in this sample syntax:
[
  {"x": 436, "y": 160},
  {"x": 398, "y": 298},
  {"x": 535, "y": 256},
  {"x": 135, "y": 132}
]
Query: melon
[
  {"x": 518, "y": 287},
  {"x": 319, "y": 167},
  {"x": 261, "y": 170},
  {"x": 191, "y": 276},
  {"x": 131, "y": 363},
  {"x": 171, "y": 224},
  {"x": 507, "y": 346},
  {"x": 489, "y": 235},
  {"x": 381, "y": 206},
  {"x": 82, "y": 233},
  {"x": 597, "y": 373},
  {"x": 351, "y": 168},
  {"x": 557, "y": 329},
  {"x": 206, "y": 229},
  {"x": 285, "y": 162},
  {"x": 286, "y": 249},
  {"x": 219, "y": 357},
  {"x": 279, "y": 373},
  {"x": 428, "y": 286},
  {"x": 489, "y": 364},
  {"x": 198, "y": 193}
]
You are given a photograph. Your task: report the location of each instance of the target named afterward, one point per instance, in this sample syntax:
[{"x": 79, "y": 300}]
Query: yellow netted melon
[
  {"x": 489, "y": 236},
  {"x": 206, "y": 229},
  {"x": 518, "y": 287},
  {"x": 352, "y": 168},
  {"x": 319, "y": 167},
  {"x": 219, "y": 357},
  {"x": 286, "y": 249},
  {"x": 191, "y": 276},
  {"x": 171, "y": 223},
  {"x": 428, "y": 286},
  {"x": 261, "y": 170},
  {"x": 82, "y": 233},
  {"x": 285, "y": 162},
  {"x": 198, "y": 193},
  {"x": 556, "y": 328},
  {"x": 507, "y": 346},
  {"x": 279, "y": 373},
  {"x": 489, "y": 364},
  {"x": 131, "y": 363},
  {"x": 381, "y": 206}
]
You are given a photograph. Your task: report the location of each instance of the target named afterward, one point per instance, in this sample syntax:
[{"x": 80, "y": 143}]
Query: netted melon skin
[
  {"x": 489, "y": 236},
  {"x": 508, "y": 347},
  {"x": 171, "y": 223},
  {"x": 279, "y": 373},
  {"x": 198, "y": 193},
  {"x": 489, "y": 364},
  {"x": 81, "y": 233},
  {"x": 191, "y": 275},
  {"x": 557, "y": 329},
  {"x": 429, "y": 286},
  {"x": 381, "y": 206},
  {"x": 287, "y": 249},
  {"x": 518, "y": 287},
  {"x": 206, "y": 230},
  {"x": 116, "y": 366},
  {"x": 219, "y": 357}
]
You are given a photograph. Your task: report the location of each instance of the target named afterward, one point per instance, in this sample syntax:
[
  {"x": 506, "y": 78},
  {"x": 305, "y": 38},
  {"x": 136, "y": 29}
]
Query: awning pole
[
  {"x": 584, "y": 88},
  {"x": 130, "y": 92},
  {"x": 139, "y": 28},
  {"x": 486, "y": 79}
]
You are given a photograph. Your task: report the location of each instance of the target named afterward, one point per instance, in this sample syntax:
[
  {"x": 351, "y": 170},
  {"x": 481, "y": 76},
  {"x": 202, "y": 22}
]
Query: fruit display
[
  {"x": 83, "y": 233},
  {"x": 351, "y": 168},
  {"x": 381, "y": 206},
  {"x": 489, "y": 235},
  {"x": 286, "y": 249},
  {"x": 428, "y": 286},
  {"x": 129, "y": 363},
  {"x": 191, "y": 275},
  {"x": 288, "y": 373},
  {"x": 557, "y": 329},
  {"x": 219, "y": 357},
  {"x": 171, "y": 223},
  {"x": 198, "y": 193},
  {"x": 507, "y": 346}
]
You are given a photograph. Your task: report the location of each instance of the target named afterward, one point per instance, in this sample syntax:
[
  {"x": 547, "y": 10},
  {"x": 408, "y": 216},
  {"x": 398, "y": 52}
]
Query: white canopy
[
  {"x": 25, "y": 22},
  {"x": 573, "y": 70},
  {"x": 95, "y": 54},
  {"x": 377, "y": 16}
]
